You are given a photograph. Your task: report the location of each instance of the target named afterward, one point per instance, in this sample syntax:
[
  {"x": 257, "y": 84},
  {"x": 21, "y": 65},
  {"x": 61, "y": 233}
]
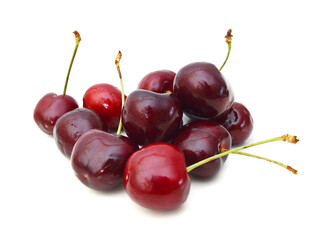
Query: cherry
[
  {"x": 158, "y": 81},
  {"x": 99, "y": 158},
  {"x": 155, "y": 177},
  {"x": 149, "y": 117},
  {"x": 72, "y": 125},
  {"x": 202, "y": 139},
  {"x": 238, "y": 121},
  {"x": 203, "y": 90},
  {"x": 106, "y": 101},
  {"x": 52, "y": 106}
]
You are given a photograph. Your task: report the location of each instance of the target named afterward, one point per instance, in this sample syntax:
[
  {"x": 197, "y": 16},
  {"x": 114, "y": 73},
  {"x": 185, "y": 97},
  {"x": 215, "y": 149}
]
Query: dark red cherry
[
  {"x": 98, "y": 159},
  {"x": 238, "y": 121},
  {"x": 106, "y": 101},
  {"x": 149, "y": 117},
  {"x": 155, "y": 177},
  {"x": 158, "y": 81},
  {"x": 50, "y": 108},
  {"x": 202, "y": 139},
  {"x": 203, "y": 90},
  {"x": 72, "y": 125}
]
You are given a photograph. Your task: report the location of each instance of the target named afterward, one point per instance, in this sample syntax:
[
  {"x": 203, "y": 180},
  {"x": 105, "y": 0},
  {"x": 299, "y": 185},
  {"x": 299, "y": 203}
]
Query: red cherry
[
  {"x": 202, "y": 139},
  {"x": 158, "y": 81},
  {"x": 52, "y": 106},
  {"x": 155, "y": 177},
  {"x": 203, "y": 90},
  {"x": 149, "y": 117},
  {"x": 238, "y": 121},
  {"x": 98, "y": 159},
  {"x": 72, "y": 125},
  {"x": 106, "y": 101}
]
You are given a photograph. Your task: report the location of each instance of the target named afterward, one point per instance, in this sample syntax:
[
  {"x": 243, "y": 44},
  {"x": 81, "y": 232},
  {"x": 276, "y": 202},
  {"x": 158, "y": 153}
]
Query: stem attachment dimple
[
  {"x": 117, "y": 60},
  {"x": 229, "y": 44},
  {"x": 77, "y": 41}
]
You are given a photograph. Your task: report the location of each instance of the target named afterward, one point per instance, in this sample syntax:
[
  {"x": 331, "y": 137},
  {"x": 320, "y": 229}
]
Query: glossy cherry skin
[
  {"x": 149, "y": 117},
  {"x": 159, "y": 81},
  {"x": 106, "y": 101},
  {"x": 72, "y": 125},
  {"x": 238, "y": 121},
  {"x": 155, "y": 177},
  {"x": 202, "y": 139},
  {"x": 51, "y": 107},
  {"x": 98, "y": 159},
  {"x": 203, "y": 90}
]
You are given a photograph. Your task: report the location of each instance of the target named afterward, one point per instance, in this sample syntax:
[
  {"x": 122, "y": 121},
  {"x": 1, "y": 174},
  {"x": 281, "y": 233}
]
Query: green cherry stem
[
  {"x": 118, "y": 59},
  {"x": 77, "y": 41},
  {"x": 229, "y": 44},
  {"x": 285, "y": 138},
  {"x": 294, "y": 171}
]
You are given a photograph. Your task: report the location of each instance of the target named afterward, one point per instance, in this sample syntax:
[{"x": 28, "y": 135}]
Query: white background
[{"x": 281, "y": 68}]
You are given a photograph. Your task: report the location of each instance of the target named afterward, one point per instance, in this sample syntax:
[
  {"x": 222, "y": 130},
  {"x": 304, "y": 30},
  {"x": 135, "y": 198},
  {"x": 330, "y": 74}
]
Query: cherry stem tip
[
  {"x": 77, "y": 37},
  {"x": 294, "y": 171},
  {"x": 117, "y": 60},
  {"x": 229, "y": 36},
  {"x": 290, "y": 139}
]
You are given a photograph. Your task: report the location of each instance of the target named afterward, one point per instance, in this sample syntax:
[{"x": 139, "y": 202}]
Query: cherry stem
[
  {"x": 285, "y": 138},
  {"x": 229, "y": 44},
  {"x": 294, "y": 171},
  {"x": 77, "y": 41},
  {"x": 118, "y": 59}
]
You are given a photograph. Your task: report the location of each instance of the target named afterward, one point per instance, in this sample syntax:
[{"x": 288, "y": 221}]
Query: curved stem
[
  {"x": 118, "y": 59},
  {"x": 294, "y": 171},
  {"x": 77, "y": 41},
  {"x": 229, "y": 44},
  {"x": 287, "y": 138}
]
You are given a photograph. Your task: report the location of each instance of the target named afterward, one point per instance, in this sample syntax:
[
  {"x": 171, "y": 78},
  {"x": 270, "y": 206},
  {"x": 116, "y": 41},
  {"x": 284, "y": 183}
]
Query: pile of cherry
[{"x": 155, "y": 175}]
